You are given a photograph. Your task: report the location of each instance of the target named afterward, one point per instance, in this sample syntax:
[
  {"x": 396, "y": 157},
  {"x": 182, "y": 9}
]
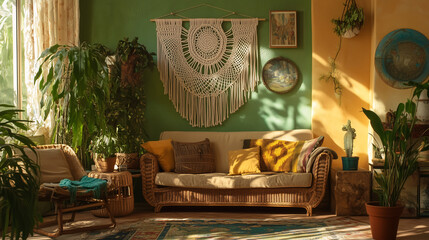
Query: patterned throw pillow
[
  {"x": 244, "y": 161},
  {"x": 284, "y": 156},
  {"x": 193, "y": 157}
]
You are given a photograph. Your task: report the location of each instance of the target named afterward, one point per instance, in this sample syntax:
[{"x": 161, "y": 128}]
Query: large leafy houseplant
[
  {"x": 19, "y": 184},
  {"x": 125, "y": 111},
  {"x": 75, "y": 87},
  {"x": 401, "y": 149}
]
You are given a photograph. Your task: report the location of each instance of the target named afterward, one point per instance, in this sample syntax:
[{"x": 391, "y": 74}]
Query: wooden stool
[{"x": 120, "y": 195}]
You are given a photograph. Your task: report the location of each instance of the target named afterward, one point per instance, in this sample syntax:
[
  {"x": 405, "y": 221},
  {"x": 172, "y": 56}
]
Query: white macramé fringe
[{"x": 208, "y": 104}]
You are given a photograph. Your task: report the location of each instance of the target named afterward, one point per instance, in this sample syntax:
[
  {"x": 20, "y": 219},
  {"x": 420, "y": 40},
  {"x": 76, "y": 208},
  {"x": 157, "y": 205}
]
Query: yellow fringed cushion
[
  {"x": 244, "y": 161},
  {"x": 163, "y": 150},
  {"x": 284, "y": 156}
]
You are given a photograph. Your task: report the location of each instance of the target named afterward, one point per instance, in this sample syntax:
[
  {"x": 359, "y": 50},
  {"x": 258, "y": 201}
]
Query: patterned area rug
[{"x": 151, "y": 229}]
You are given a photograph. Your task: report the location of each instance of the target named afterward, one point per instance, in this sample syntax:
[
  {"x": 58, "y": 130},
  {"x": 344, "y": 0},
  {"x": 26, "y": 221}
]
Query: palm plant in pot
[
  {"x": 125, "y": 111},
  {"x": 350, "y": 162},
  {"x": 401, "y": 151},
  {"x": 73, "y": 81},
  {"x": 19, "y": 183}
]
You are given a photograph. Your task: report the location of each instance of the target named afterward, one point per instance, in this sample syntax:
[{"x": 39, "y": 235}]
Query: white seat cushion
[{"x": 223, "y": 181}]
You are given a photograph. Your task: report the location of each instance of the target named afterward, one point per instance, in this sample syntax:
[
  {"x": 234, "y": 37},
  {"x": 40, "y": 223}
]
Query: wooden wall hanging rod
[{"x": 184, "y": 18}]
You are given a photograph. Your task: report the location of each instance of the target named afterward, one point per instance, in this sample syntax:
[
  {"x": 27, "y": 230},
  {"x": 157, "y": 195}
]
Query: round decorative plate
[
  {"x": 280, "y": 75},
  {"x": 402, "y": 56}
]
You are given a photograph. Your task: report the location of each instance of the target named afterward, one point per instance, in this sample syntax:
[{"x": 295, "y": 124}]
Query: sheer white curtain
[{"x": 46, "y": 22}]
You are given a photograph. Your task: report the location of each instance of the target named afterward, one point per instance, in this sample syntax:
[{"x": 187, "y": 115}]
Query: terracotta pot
[
  {"x": 383, "y": 220},
  {"x": 130, "y": 159},
  {"x": 107, "y": 164}
]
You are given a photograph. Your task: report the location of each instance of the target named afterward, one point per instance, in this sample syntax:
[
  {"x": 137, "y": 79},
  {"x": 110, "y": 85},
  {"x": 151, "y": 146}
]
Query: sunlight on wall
[{"x": 353, "y": 65}]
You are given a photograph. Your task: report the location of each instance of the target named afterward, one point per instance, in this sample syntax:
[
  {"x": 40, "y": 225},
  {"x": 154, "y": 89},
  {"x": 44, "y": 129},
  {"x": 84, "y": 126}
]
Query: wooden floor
[{"x": 417, "y": 228}]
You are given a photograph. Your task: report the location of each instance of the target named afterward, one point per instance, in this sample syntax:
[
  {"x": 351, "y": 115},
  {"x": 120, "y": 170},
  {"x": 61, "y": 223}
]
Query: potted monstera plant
[
  {"x": 19, "y": 183},
  {"x": 125, "y": 110},
  {"x": 401, "y": 151}
]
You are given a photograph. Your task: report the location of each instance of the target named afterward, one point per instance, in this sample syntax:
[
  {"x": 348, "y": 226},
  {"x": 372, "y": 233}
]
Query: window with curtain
[
  {"x": 12, "y": 87},
  {"x": 27, "y": 27}
]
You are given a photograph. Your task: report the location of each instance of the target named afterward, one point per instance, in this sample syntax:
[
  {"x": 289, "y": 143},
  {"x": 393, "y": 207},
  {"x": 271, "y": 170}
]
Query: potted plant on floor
[
  {"x": 103, "y": 148},
  {"x": 125, "y": 111},
  {"x": 74, "y": 84},
  {"x": 401, "y": 152},
  {"x": 350, "y": 162},
  {"x": 19, "y": 183}
]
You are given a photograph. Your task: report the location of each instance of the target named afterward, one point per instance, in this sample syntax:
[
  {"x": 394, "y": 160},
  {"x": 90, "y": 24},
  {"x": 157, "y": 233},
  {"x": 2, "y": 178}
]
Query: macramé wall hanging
[{"x": 207, "y": 72}]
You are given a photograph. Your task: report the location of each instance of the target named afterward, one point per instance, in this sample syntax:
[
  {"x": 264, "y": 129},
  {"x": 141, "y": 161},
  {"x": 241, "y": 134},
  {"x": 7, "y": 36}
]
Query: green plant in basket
[
  {"x": 104, "y": 147},
  {"x": 19, "y": 182}
]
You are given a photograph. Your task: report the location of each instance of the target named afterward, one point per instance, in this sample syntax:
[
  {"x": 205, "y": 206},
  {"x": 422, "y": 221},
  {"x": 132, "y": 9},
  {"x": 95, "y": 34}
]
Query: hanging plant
[
  {"x": 351, "y": 20},
  {"x": 347, "y": 26}
]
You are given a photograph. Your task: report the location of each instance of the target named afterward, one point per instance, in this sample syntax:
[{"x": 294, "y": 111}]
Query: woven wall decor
[{"x": 208, "y": 73}]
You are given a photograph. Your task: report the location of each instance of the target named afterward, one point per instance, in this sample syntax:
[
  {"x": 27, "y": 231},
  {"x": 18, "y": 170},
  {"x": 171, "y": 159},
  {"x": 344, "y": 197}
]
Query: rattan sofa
[{"x": 300, "y": 197}]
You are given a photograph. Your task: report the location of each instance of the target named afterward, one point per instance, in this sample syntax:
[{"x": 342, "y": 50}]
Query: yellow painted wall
[
  {"x": 391, "y": 15},
  {"x": 353, "y": 64},
  {"x": 362, "y": 85}
]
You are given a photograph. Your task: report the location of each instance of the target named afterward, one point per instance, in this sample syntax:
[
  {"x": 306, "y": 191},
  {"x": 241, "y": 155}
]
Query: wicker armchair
[
  {"x": 59, "y": 196},
  {"x": 308, "y": 198}
]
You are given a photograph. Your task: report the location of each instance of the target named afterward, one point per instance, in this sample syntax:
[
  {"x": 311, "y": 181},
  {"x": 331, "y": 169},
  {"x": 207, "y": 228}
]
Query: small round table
[{"x": 120, "y": 193}]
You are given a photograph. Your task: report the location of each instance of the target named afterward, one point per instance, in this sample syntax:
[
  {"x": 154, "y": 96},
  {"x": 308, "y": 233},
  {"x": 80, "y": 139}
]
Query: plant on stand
[
  {"x": 19, "y": 184},
  {"x": 75, "y": 89},
  {"x": 347, "y": 26},
  {"x": 125, "y": 111},
  {"x": 349, "y": 162},
  {"x": 401, "y": 151},
  {"x": 103, "y": 148}
]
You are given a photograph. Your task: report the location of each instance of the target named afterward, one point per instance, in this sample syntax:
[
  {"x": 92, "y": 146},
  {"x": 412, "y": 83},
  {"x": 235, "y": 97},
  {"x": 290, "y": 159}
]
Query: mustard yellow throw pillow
[
  {"x": 163, "y": 150},
  {"x": 284, "y": 156},
  {"x": 244, "y": 161}
]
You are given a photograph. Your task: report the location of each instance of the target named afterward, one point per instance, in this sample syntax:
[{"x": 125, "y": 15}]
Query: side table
[
  {"x": 350, "y": 190},
  {"x": 120, "y": 193}
]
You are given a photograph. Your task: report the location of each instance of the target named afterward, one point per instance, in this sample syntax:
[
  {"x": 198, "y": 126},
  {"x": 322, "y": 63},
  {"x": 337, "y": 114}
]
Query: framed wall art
[
  {"x": 283, "y": 29},
  {"x": 280, "y": 75}
]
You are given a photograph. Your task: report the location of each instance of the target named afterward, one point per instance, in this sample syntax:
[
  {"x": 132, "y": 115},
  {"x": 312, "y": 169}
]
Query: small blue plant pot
[{"x": 350, "y": 163}]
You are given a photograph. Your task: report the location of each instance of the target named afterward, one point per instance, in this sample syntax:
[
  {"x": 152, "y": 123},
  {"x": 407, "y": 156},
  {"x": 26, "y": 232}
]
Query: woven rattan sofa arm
[
  {"x": 149, "y": 168},
  {"x": 320, "y": 176}
]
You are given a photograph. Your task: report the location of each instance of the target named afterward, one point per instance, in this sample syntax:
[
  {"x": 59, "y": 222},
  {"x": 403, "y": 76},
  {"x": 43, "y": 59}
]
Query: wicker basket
[
  {"x": 106, "y": 164},
  {"x": 120, "y": 195},
  {"x": 130, "y": 159}
]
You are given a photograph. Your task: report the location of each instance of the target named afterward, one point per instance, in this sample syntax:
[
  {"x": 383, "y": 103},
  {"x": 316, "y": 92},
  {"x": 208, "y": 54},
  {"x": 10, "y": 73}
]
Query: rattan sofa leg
[
  {"x": 157, "y": 208},
  {"x": 309, "y": 211}
]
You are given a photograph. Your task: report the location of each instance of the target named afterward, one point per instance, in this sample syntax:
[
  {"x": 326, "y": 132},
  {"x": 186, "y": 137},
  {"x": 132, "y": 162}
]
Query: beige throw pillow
[{"x": 53, "y": 165}]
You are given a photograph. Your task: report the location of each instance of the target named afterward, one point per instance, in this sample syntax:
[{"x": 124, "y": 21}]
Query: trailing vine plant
[{"x": 351, "y": 19}]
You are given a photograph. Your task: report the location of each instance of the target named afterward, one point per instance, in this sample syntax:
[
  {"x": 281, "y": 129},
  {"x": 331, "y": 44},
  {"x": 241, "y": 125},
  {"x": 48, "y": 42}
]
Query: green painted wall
[{"x": 108, "y": 21}]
